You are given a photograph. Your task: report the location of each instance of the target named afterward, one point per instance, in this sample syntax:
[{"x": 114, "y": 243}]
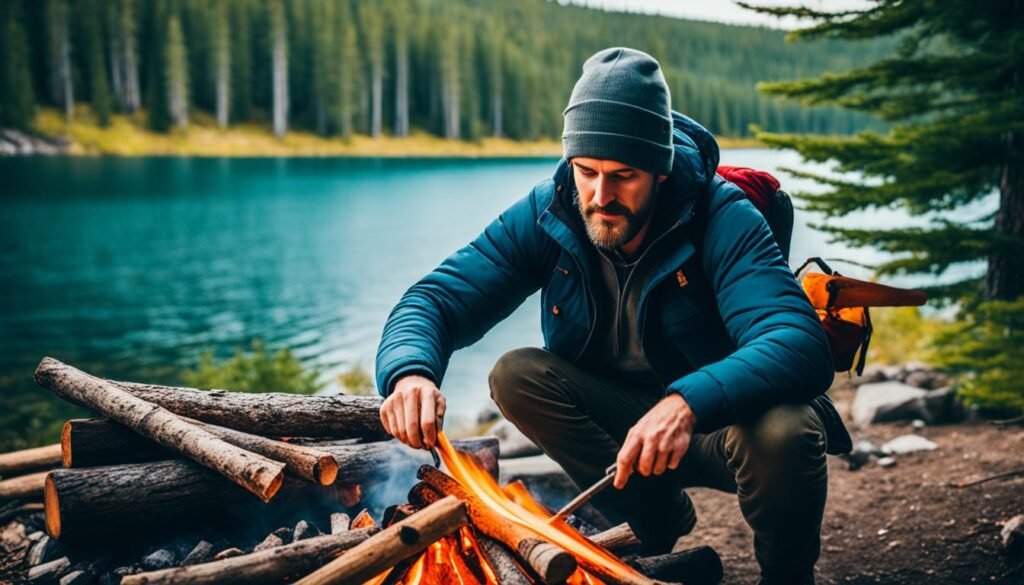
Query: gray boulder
[
  {"x": 884, "y": 402},
  {"x": 1012, "y": 534},
  {"x": 512, "y": 443}
]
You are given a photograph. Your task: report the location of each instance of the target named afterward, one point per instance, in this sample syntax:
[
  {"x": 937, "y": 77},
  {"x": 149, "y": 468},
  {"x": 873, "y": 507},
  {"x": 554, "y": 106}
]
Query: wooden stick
[
  {"x": 277, "y": 565},
  {"x": 271, "y": 414},
  {"x": 339, "y": 522},
  {"x": 392, "y": 545},
  {"x": 99, "y": 441},
  {"x": 616, "y": 538},
  {"x": 18, "y": 462},
  {"x": 551, "y": 563},
  {"x": 23, "y": 487},
  {"x": 256, "y": 473}
]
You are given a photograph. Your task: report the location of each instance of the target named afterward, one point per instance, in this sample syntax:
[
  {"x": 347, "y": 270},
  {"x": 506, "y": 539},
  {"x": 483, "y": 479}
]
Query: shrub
[{"x": 256, "y": 371}]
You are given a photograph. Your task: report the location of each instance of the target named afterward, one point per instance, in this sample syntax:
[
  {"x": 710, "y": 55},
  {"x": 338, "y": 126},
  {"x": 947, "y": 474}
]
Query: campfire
[{"x": 177, "y": 460}]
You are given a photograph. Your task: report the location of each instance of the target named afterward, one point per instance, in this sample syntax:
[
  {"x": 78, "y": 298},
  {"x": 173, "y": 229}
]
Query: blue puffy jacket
[{"x": 734, "y": 337}]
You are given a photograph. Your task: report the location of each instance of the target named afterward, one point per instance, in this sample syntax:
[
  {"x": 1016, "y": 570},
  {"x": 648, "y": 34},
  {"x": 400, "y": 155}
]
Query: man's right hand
[{"x": 414, "y": 412}]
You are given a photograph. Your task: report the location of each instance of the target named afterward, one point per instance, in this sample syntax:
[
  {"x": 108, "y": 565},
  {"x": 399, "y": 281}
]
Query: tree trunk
[
  {"x": 272, "y": 414},
  {"x": 392, "y": 545},
  {"x": 401, "y": 86},
  {"x": 132, "y": 98},
  {"x": 83, "y": 502},
  {"x": 280, "y": 68},
  {"x": 277, "y": 565},
  {"x": 1004, "y": 280},
  {"x": 258, "y": 474},
  {"x": 550, "y": 562},
  {"x": 377, "y": 97},
  {"x": 18, "y": 462},
  {"x": 222, "y": 42}
]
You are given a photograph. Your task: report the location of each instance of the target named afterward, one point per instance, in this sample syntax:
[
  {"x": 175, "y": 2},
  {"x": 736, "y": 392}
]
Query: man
[{"x": 678, "y": 345}]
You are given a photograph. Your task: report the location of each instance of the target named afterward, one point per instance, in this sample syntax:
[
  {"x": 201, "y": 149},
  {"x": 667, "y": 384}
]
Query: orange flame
[{"x": 515, "y": 504}]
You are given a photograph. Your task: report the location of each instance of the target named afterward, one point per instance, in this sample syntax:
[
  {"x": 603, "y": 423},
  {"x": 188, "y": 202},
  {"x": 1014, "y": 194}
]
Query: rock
[
  {"x": 76, "y": 578},
  {"x": 892, "y": 401},
  {"x": 884, "y": 402},
  {"x": 272, "y": 540},
  {"x": 200, "y": 553},
  {"x": 50, "y": 571},
  {"x": 1013, "y": 534},
  {"x": 918, "y": 424},
  {"x": 887, "y": 462},
  {"x": 908, "y": 444},
  {"x": 871, "y": 375},
  {"x": 929, "y": 379},
  {"x": 228, "y": 553},
  {"x": 158, "y": 559},
  {"x": 488, "y": 415},
  {"x": 894, "y": 373},
  {"x": 44, "y": 550},
  {"x": 512, "y": 443},
  {"x": 304, "y": 530},
  {"x": 862, "y": 452}
]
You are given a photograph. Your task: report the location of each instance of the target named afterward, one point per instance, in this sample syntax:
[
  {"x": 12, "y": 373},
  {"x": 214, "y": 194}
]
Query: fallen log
[
  {"x": 19, "y": 462},
  {"x": 616, "y": 538},
  {"x": 695, "y": 566},
  {"x": 99, "y": 441},
  {"x": 87, "y": 501},
  {"x": 256, "y": 473},
  {"x": 271, "y": 414},
  {"x": 551, "y": 563},
  {"x": 23, "y": 487},
  {"x": 392, "y": 545},
  {"x": 280, "y": 564}
]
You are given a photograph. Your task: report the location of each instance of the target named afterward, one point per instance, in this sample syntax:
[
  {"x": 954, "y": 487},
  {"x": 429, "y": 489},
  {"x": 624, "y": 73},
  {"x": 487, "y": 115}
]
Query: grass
[{"x": 127, "y": 135}]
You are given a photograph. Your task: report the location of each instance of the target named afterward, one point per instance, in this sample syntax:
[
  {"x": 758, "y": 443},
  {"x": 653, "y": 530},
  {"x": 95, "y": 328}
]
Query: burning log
[
  {"x": 551, "y": 563},
  {"x": 18, "y": 462},
  {"x": 258, "y": 474},
  {"x": 24, "y": 487},
  {"x": 276, "y": 565},
  {"x": 271, "y": 414},
  {"x": 98, "y": 500},
  {"x": 695, "y": 566},
  {"x": 392, "y": 545},
  {"x": 363, "y": 520},
  {"x": 616, "y": 538},
  {"x": 98, "y": 441},
  {"x": 500, "y": 559}
]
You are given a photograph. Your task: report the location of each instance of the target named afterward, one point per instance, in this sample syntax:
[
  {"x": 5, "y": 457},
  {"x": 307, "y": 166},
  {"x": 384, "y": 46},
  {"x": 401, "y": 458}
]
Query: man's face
[{"x": 615, "y": 200}]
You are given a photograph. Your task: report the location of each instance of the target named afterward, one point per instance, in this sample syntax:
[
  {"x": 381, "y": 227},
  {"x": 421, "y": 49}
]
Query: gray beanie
[{"x": 621, "y": 110}]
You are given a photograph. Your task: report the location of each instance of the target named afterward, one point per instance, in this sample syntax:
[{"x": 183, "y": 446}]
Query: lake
[{"x": 131, "y": 268}]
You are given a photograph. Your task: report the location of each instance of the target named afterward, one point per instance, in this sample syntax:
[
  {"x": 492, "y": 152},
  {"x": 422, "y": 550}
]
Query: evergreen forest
[{"x": 459, "y": 69}]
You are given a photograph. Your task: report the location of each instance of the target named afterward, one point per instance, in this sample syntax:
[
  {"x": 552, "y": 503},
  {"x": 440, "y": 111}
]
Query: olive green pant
[{"x": 775, "y": 464}]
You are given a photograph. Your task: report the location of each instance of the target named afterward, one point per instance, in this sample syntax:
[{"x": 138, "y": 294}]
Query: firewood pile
[{"x": 176, "y": 485}]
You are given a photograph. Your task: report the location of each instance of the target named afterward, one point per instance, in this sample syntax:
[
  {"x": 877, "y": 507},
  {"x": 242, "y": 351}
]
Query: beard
[{"x": 613, "y": 234}]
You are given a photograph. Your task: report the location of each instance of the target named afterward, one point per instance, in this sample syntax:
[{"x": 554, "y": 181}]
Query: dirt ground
[{"x": 899, "y": 525}]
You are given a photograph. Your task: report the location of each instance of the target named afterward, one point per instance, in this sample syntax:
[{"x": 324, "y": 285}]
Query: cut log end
[
  {"x": 271, "y": 489},
  {"x": 554, "y": 564},
  {"x": 65, "y": 444},
  {"x": 51, "y": 506},
  {"x": 326, "y": 470}
]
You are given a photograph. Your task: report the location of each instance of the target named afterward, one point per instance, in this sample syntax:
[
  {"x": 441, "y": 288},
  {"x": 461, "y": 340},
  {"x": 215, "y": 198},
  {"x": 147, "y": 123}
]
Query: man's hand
[
  {"x": 414, "y": 412},
  {"x": 657, "y": 441}
]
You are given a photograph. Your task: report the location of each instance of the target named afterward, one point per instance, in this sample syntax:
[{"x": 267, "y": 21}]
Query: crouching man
[{"x": 678, "y": 345}]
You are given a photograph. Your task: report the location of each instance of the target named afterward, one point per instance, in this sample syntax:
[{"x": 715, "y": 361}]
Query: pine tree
[
  {"x": 99, "y": 89},
  {"x": 177, "y": 73},
  {"x": 953, "y": 92},
  {"x": 222, "y": 62},
  {"x": 59, "y": 47},
  {"x": 17, "y": 102},
  {"x": 348, "y": 66}
]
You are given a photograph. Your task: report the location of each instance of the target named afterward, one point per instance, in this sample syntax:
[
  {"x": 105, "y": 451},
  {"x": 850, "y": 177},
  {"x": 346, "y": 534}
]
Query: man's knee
[
  {"x": 514, "y": 377},
  {"x": 784, "y": 433}
]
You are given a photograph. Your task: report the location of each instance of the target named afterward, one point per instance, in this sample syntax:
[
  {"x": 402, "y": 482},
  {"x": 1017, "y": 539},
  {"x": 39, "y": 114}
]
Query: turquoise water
[{"x": 130, "y": 268}]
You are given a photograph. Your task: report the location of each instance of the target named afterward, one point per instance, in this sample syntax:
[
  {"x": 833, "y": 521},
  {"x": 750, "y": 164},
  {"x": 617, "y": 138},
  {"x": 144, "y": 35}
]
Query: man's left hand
[{"x": 657, "y": 441}]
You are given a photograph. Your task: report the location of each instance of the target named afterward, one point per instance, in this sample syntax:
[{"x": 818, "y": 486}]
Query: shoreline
[{"x": 127, "y": 137}]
